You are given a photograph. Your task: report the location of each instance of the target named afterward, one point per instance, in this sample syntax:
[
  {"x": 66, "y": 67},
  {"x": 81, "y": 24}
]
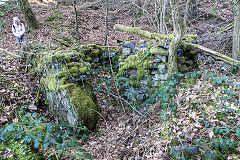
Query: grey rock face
[
  {"x": 154, "y": 72},
  {"x": 161, "y": 77},
  {"x": 162, "y": 57},
  {"x": 120, "y": 60},
  {"x": 142, "y": 41},
  {"x": 133, "y": 73},
  {"x": 157, "y": 60},
  {"x": 143, "y": 82},
  {"x": 126, "y": 51},
  {"x": 161, "y": 66}
]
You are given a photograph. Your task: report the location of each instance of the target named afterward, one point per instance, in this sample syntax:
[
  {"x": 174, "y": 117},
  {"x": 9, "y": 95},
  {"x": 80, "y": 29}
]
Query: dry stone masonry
[
  {"x": 140, "y": 68},
  {"x": 144, "y": 67}
]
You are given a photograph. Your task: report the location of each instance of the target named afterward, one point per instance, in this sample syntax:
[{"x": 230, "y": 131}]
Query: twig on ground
[{"x": 4, "y": 50}]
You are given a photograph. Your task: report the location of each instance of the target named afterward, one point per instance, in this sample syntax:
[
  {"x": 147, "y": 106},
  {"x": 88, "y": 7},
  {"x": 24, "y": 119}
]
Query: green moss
[
  {"x": 140, "y": 62},
  {"x": 188, "y": 82},
  {"x": 84, "y": 105},
  {"x": 149, "y": 82},
  {"x": 132, "y": 78},
  {"x": 68, "y": 85},
  {"x": 158, "y": 50},
  {"x": 72, "y": 66},
  {"x": 135, "y": 83},
  {"x": 51, "y": 83},
  {"x": 20, "y": 151},
  {"x": 159, "y": 84}
]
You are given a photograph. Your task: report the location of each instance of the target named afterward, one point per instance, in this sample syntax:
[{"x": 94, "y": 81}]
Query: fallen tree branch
[
  {"x": 188, "y": 38},
  {"x": 149, "y": 35},
  {"x": 215, "y": 54},
  {"x": 4, "y": 50},
  {"x": 61, "y": 42}
]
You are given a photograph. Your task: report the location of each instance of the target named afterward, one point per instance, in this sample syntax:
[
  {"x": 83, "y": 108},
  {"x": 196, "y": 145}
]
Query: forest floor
[{"x": 126, "y": 134}]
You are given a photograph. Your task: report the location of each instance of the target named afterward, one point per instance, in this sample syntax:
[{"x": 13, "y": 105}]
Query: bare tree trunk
[
  {"x": 175, "y": 43},
  {"x": 106, "y": 23},
  {"x": 236, "y": 31},
  {"x": 163, "y": 26},
  {"x": 28, "y": 14},
  {"x": 76, "y": 16},
  {"x": 190, "y": 11},
  {"x": 159, "y": 16}
]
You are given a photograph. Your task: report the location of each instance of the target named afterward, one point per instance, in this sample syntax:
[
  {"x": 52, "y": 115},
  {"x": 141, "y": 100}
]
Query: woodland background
[{"x": 204, "y": 125}]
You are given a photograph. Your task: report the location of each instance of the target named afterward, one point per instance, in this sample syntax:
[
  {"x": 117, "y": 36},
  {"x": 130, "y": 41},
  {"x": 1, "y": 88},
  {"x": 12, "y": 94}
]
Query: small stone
[
  {"x": 162, "y": 77},
  {"x": 96, "y": 60},
  {"x": 141, "y": 96},
  {"x": 155, "y": 66},
  {"x": 132, "y": 94},
  {"x": 154, "y": 72},
  {"x": 143, "y": 90},
  {"x": 133, "y": 73},
  {"x": 126, "y": 51},
  {"x": 143, "y": 82},
  {"x": 112, "y": 54},
  {"x": 161, "y": 67},
  {"x": 32, "y": 107},
  {"x": 142, "y": 41},
  {"x": 157, "y": 60},
  {"x": 120, "y": 60},
  {"x": 163, "y": 71},
  {"x": 162, "y": 57}
]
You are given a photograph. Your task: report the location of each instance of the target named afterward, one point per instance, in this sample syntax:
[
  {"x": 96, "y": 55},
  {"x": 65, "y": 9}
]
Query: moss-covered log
[
  {"x": 64, "y": 77},
  {"x": 149, "y": 35},
  {"x": 215, "y": 54},
  {"x": 186, "y": 41}
]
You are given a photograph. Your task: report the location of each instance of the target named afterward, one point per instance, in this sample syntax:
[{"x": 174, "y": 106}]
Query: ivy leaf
[
  {"x": 45, "y": 145},
  {"x": 59, "y": 140},
  {"x": 49, "y": 127},
  {"x": 10, "y": 128},
  {"x": 36, "y": 143},
  {"x": 1, "y": 13},
  {"x": 29, "y": 140},
  {"x": 238, "y": 132},
  {"x": 87, "y": 155},
  {"x": 34, "y": 115}
]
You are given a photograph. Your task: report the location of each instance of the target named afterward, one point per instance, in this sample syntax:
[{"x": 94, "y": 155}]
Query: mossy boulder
[{"x": 65, "y": 76}]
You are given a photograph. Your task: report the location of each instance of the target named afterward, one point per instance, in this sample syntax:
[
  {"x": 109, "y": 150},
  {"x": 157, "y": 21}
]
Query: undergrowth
[{"x": 32, "y": 134}]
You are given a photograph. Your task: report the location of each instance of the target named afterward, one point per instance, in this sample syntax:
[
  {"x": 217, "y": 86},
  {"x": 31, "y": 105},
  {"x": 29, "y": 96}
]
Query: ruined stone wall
[{"x": 144, "y": 67}]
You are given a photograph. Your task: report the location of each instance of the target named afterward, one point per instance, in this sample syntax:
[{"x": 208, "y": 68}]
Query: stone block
[
  {"x": 163, "y": 58},
  {"x": 155, "y": 72},
  {"x": 126, "y": 51},
  {"x": 162, "y": 77}
]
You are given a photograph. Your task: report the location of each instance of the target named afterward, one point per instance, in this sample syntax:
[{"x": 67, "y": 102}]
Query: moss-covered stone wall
[
  {"x": 65, "y": 75},
  {"x": 144, "y": 66}
]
